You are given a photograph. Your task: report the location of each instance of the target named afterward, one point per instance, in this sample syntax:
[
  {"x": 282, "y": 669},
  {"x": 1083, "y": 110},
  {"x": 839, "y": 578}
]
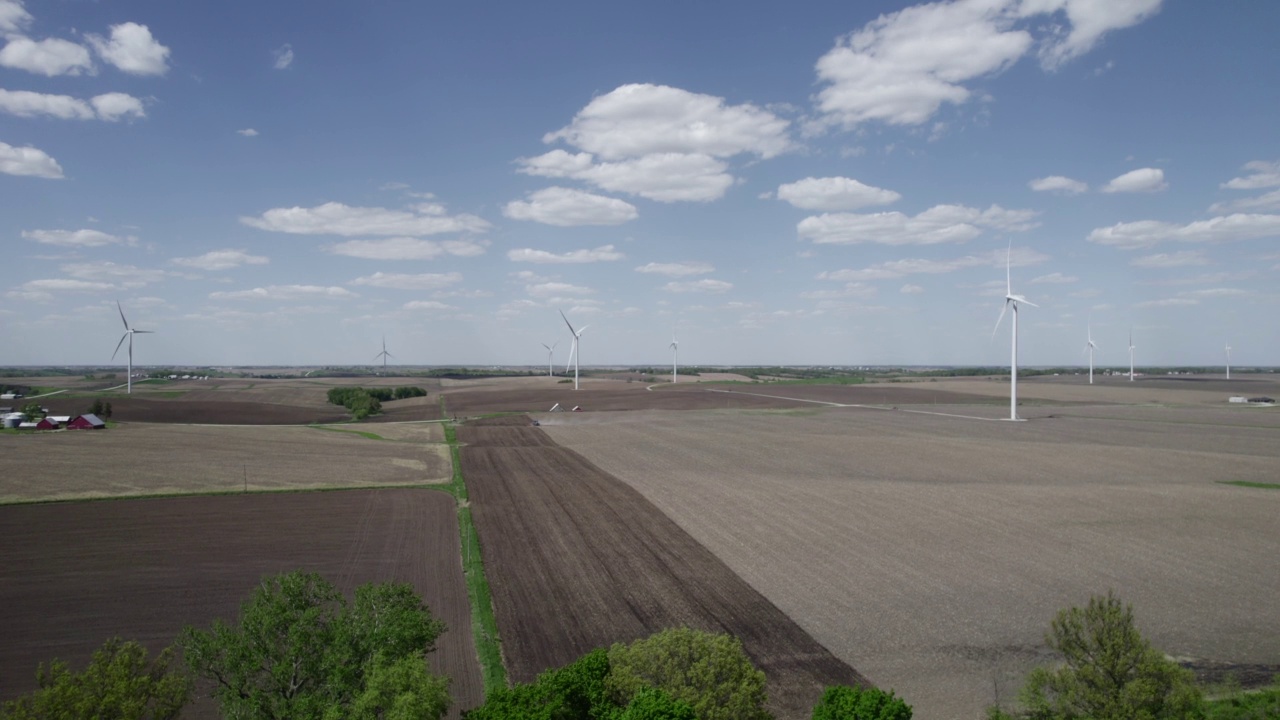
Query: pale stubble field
[{"x": 931, "y": 552}]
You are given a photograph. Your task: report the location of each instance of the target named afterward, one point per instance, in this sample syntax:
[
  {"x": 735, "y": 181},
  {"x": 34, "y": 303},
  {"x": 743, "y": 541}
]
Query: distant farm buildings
[{"x": 19, "y": 421}]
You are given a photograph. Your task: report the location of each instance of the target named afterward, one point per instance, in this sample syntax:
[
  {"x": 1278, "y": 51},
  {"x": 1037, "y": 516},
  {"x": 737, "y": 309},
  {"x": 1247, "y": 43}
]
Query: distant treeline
[{"x": 363, "y": 402}]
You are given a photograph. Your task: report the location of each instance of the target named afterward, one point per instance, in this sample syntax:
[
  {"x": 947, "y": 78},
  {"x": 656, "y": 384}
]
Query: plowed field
[
  {"x": 578, "y": 560},
  {"x": 75, "y": 574}
]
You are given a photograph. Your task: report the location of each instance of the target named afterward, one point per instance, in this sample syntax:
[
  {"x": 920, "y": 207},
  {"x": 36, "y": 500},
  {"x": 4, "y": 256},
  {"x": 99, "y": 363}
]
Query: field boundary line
[{"x": 859, "y": 405}]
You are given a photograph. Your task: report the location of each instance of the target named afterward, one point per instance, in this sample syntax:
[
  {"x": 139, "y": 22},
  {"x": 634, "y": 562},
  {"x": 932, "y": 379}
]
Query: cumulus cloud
[
  {"x": 1225, "y": 228},
  {"x": 552, "y": 289},
  {"x": 427, "y": 305},
  {"x": 1262, "y": 174},
  {"x": 285, "y": 292},
  {"x": 1054, "y": 279},
  {"x": 43, "y": 290},
  {"x": 109, "y": 106},
  {"x": 215, "y": 260},
  {"x": 903, "y": 66},
  {"x": 705, "y": 285},
  {"x": 939, "y": 224},
  {"x": 1183, "y": 258},
  {"x": 1140, "y": 180},
  {"x": 248, "y": 132},
  {"x": 28, "y": 161},
  {"x": 407, "y": 248},
  {"x": 678, "y": 269},
  {"x": 604, "y": 253},
  {"x": 1058, "y": 184},
  {"x": 1019, "y": 257},
  {"x": 402, "y": 281},
  {"x": 283, "y": 56},
  {"x": 49, "y": 57},
  {"x": 78, "y": 238},
  {"x": 334, "y": 218},
  {"x": 665, "y": 177},
  {"x": 13, "y": 17},
  {"x": 1266, "y": 201},
  {"x": 564, "y": 207},
  {"x": 125, "y": 276},
  {"x": 1168, "y": 302},
  {"x": 115, "y": 105},
  {"x": 910, "y": 289},
  {"x": 132, "y": 49},
  {"x": 834, "y": 193}
]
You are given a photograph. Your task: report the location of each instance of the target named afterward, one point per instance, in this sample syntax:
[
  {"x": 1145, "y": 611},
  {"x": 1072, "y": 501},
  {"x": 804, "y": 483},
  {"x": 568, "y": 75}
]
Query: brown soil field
[
  {"x": 141, "y": 459},
  {"x": 578, "y": 560},
  {"x": 213, "y": 412},
  {"x": 1152, "y": 389},
  {"x": 426, "y": 432},
  {"x": 931, "y": 552},
  {"x": 603, "y": 395},
  {"x": 76, "y": 574}
]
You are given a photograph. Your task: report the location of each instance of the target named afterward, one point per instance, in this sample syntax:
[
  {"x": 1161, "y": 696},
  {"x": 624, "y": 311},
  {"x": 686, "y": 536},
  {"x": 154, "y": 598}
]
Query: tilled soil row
[{"x": 579, "y": 560}]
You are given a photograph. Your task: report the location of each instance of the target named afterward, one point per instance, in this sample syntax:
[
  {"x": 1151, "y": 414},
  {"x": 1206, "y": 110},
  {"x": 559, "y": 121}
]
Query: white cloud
[
  {"x": 48, "y": 57},
  {"x": 283, "y": 56},
  {"x": 125, "y": 276},
  {"x": 853, "y": 289},
  {"x": 665, "y": 177},
  {"x": 407, "y": 248},
  {"x": 77, "y": 238},
  {"x": 1140, "y": 180},
  {"x": 1214, "y": 292},
  {"x": 13, "y": 17},
  {"x": 1267, "y": 201},
  {"x": 1226, "y": 228},
  {"x": 401, "y": 281},
  {"x": 834, "y": 193},
  {"x": 1263, "y": 174},
  {"x": 334, "y": 218},
  {"x": 1058, "y": 184},
  {"x": 939, "y": 224},
  {"x": 109, "y": 106},
  {"x": 1183, "y": 258},
  {"x": 1090, "y": 20},
  {"x": 221, "y": 260},
  {"x": 1054, "y": 279},
  {"x": 1169, "y": 302},
  {"x": 909, "y": 289},
  {"x": 428, "y": 305},
  {"x": 115, "y": 105},
  {"x": 28, "y": 161},
  {"x": 43, "y": 290},
  {"x": 248, "y": 132},
  {"x": 132, "y": 49},
  {"x": 680, "y": 269},
  {"x": 894, "y": 269},
  {"x": 604, "y": 253},
  {"x": 705, "y": 285},
  {"x": 564, "y": 207},
  {"x": 285, "y": 292},
  {"x": 551, "y": 289}
]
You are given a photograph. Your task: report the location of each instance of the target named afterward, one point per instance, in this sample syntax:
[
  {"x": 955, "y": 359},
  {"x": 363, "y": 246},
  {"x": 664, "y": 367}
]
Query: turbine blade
[
  {"x": 1002, "y": 312},
  {"x": 566, "y": 322},
  {"x": 117, "y": 352},
  {"x": 145, "y": 332},
  {"x": 1008, "y": 272},
  {"x": 126, "y": 322}
]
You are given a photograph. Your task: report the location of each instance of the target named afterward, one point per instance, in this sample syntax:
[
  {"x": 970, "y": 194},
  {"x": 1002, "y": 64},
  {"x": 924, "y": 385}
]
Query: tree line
[{"x": 363, "y": 402}]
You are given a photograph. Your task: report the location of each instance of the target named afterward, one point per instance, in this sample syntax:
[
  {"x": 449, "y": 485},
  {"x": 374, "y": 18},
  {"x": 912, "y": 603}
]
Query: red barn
[
  {"x": 86, "y": 422},
  {"x": 47, "y": 424}
]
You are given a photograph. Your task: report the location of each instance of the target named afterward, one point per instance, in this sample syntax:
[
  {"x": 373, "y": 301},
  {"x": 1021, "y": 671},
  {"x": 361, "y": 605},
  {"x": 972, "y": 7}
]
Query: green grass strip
[
  {"x": 484, "y": 627},
  {"x": 1251, "y": 484}
]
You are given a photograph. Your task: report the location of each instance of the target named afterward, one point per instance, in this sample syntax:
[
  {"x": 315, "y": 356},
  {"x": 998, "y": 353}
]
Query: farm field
[
  {"x": 141, "y": 458},
  {"x": 76, "y": 574},
  {"x": 931, "y": 552},
  {"x": 578, "y": 560}
]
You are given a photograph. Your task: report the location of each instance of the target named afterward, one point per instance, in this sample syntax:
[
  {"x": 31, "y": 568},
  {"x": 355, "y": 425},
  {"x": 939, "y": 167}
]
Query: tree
[
  {"x": 96, "y": 407},
  {"x": 106, "y": 410},
  {"x": 841, "y": 702},
  {"x": 32, "y": 410},
  {"x": 1110, "y": 672},
  {"x": 651, "y": 704},
  {"x": 301, "y": 651},
  {"x": 573, "y": 692},
  {"x": 120, "y": 683},
  {"x": 711, "y": 673}
]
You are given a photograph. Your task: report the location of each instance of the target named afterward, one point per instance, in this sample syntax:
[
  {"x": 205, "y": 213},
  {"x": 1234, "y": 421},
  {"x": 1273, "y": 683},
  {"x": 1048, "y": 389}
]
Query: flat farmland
[
  {"x": 578, "y": 560},
  {"x": 76, "y": 574},
  {"x": 931, "y": 552},
  {"x": 143, "y": 459},
  {"x": 601, "y": 395}
]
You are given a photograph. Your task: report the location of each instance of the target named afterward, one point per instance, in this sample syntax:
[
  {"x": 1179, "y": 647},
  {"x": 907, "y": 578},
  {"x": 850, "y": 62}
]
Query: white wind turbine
[
  {"x": 384, "y": 354},
  {"x": 1012, "y": 300},
  {"x": 1089, "y": 347},
  {"x": 675, "y": 346},
  {"x": 128, "y": 333},
  {"x": 550, "y": 350},
  {"x": 1131, "y": 354},
  {"x": 1228, "y": 361},
  {"x": 573, "y": 352}
]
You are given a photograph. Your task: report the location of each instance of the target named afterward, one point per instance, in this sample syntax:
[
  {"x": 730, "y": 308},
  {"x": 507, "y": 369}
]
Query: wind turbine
[
  {"x": 675, "y": 371},
  {"x": 1228, "y": 361},
  {"x": 1130, "y": 354},
  {"x": 573, "y": 353},
  {"x": 128, "y": 333},
  {"x": 1012, "y": 300},
  {"x": 1089, "y": 347},
  {"x": 550, "y": 349},
  {"x": 384, "y": 354}
]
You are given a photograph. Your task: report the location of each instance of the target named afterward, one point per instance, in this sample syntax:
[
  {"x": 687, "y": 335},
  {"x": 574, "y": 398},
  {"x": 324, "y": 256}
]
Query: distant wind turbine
[
  {"x": 1228, "y": 361},
  {"x": 1012, "y": 300},
  {"x": 128, "y": 333},
  {"x": 384, "y": 354},
  {"x": 550, "y": 350},
  {"x": 1089, "y": 347},
  {"x": 675, "y": 369},
  {"x": 1130, "y": 354},
  {"x": 573, "y": 353}
]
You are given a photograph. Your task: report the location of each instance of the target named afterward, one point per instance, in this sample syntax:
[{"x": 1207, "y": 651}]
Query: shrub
[
  {"x": 409, "y": 392},
  {"x": 841, "y": 702},
  {"x": 573, "y": 692},
  {"x": 651, "y": 704}
]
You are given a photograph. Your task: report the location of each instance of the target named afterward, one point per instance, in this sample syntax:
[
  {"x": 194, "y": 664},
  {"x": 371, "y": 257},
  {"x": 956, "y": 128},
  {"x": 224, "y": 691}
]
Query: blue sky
[{"x": 829, "y": 183}]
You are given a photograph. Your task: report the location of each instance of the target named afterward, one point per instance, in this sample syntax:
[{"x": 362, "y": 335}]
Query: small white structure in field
[{"x": 1238, "y": 399}]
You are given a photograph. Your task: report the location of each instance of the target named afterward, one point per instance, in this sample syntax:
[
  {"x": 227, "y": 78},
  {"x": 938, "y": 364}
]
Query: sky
[{"x": 818, "y": 183}]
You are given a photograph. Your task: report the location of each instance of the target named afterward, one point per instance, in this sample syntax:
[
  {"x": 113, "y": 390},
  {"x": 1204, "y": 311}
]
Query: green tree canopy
[
  {"x": 120, "y": 683},
  {"x": 841, "y": 702},
  {"x": 301, "y": 651}
]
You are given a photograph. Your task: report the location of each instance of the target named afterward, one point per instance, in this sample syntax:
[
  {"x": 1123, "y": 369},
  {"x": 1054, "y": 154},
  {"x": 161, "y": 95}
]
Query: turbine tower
[
  {"x": 1012, "y": 300},
  {"x": 550, "y": 350},
  {"x": 1089, "y": 347},
  {"x": 384, "y": 354},
  {"x": 128, "y": 333},
  {"x": 1228, "y": 361},
  {"x": 573, "y": 353},
  {"x": 675, "y": 369},
  {"x": 1130, "y": 354}
]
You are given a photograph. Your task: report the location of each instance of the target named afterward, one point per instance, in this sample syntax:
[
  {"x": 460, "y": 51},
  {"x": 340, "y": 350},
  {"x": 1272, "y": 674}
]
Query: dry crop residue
[{"x": 577, "y": 560}]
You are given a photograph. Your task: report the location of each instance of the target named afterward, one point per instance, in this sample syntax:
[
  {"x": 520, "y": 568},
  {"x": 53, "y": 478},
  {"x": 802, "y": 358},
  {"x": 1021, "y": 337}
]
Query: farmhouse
[{"x": 87, "y": 421}]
